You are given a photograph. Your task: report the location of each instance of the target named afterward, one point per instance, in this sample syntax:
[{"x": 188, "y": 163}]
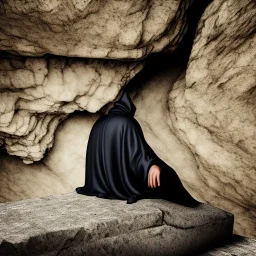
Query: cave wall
[{"x": 193, "y": 86}]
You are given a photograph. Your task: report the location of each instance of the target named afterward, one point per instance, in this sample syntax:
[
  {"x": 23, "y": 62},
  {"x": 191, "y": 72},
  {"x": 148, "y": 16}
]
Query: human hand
[{"x": 154, "y": 176}]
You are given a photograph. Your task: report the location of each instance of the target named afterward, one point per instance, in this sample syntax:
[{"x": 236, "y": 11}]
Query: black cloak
[{"x": 118, "y": 160}]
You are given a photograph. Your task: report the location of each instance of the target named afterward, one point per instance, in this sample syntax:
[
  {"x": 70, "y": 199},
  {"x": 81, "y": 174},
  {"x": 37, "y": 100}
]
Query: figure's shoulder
[
  {"x": 100, "y": 119},
  {"x": 117, "y": 121},
  {"x": 123, "y": 119}
]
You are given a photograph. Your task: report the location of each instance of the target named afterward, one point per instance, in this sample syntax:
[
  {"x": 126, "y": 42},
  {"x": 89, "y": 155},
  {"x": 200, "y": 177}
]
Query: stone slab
[
  {"x": 238, "y": 246},
  {"x": 73, "y": 224}
]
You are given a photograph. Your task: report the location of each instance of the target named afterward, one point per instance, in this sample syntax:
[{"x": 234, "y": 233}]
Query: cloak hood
[{"x": 124, "y": 106}]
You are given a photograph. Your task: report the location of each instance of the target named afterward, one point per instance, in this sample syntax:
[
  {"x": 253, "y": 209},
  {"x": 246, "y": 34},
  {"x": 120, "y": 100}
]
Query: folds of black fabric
[{"x": 118, "y": 160}]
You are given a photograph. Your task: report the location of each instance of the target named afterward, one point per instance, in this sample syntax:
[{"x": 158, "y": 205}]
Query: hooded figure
[{"x": 118, "y": 160}]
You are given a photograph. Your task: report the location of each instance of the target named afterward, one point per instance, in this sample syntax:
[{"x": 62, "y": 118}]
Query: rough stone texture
[
  {"x": 204, "y": 130},
  {"x": 239, "y": 246},
  {"x": 38, "y": 93},
  {"x": 72, "y": 224},
  {"x": 212, "y": 109},
  {"x": 97, "y": 29},
  {"x": 63, "y": 167},
  {"x": 61, "y": 170}
]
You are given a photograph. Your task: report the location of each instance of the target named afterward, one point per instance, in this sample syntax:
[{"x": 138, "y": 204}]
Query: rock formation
[
  {"x": 38, "y": 93},
  {"x": 96, "y": 29},
  {"x": 213, "y": 111},
  {"x": 60, "y": 225},
  {"x": 198, "y": 117}
]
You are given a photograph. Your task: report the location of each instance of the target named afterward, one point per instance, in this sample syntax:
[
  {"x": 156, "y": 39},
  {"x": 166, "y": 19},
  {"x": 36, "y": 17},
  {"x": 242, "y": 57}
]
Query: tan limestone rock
[
  {"x": 38, "y": 93},
  {"x": 213, "y": 111},
  {"x": 96, "y": 29}
]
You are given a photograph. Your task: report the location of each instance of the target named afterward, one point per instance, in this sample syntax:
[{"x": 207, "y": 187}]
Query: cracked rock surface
[
  {"x": 73, "y": 224},
  {"x": 63, "y": 168},
  {"x": 38, "y": 93},
  {"x": 213, "y": 112},
  {"x": 203, "y": 126},
  {"x": 61, "y": 173},
  {"x": 96, "y": 29}
]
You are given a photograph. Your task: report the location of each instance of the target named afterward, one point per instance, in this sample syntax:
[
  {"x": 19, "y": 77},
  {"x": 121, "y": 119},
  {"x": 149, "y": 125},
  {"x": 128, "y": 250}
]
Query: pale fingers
[
  {"x": 152, "y": 180},
  {"x": 155, "y": 179},
  {"x": 158, "y": 179}
]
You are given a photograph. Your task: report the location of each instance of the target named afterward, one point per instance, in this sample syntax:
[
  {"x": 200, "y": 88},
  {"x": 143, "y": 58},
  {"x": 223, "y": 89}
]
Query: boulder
[
  {"x": 212, "y": 109},
  {"x": 93, "y": 29}
]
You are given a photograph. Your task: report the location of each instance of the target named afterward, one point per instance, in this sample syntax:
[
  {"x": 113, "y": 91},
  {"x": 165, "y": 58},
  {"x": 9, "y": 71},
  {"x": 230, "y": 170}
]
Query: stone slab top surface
[{"x": 98, "y": 217}]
